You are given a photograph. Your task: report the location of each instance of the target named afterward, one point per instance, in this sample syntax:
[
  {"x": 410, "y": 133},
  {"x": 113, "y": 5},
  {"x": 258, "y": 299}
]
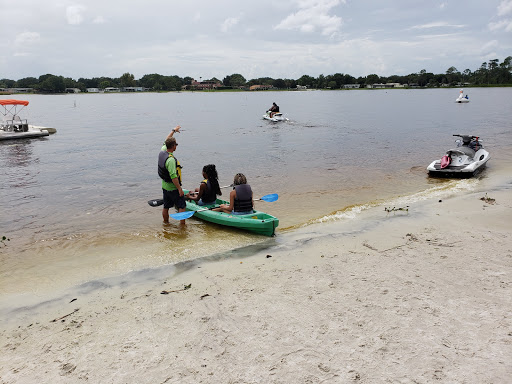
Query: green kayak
[{"x": 258, "y": 222}]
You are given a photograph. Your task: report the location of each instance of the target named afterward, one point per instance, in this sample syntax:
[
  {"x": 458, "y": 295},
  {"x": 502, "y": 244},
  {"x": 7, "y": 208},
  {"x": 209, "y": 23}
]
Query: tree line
[{"x": 490, "y": 73}]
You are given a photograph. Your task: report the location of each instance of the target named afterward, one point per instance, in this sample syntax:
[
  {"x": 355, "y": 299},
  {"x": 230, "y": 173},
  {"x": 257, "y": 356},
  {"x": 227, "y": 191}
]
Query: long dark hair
[{"x": 211, "y": 173}]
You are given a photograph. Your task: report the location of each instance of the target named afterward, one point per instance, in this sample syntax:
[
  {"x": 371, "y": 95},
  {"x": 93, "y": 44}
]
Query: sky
[{"x": 255, "y": 38}]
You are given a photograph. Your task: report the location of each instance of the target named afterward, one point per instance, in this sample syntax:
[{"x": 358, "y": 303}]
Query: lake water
[{"x": 74, "y": 204}]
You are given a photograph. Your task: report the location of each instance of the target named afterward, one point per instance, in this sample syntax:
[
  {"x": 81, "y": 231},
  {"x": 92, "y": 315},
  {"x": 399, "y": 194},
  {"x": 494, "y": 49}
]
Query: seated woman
[
  {"x": 208, "y": 189},
  {"x": 240, "y": 198}
]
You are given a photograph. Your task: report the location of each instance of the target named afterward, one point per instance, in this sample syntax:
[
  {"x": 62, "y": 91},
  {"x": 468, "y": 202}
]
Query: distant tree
[
  {"x": 81, "y": 86},
  {"x": 505, "y": 70},
  {"x": 173, "y": 83},
  {"x": 306, "y": 81},
  {"x": 279, "y": 83},
  {"x": 321, "y": 82},
  {"x": 372, "y": 79},
  {"x": 104, "y": 84},
  {"x": 453, "y": 76},
  {"x": 127, "y": 80},
  {"x": 8, "y": 83},
  {"x": 150, "y": 81},
  {"x": 187, "y": 80},
  {"x": 237, "y": 80},
  {"x": 339, "y": 79},
  {"x": 51, "y": 84},
  {"x": 69, "y": 83},
  {"x": 27, "y": 82}
]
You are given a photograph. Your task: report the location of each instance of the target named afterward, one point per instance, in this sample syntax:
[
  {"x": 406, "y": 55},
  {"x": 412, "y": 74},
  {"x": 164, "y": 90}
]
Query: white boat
[
  {"x": 13, "y": 127},
  {"x": 278, "y": 116},
  {"x": 466, "y": 160},
  {"x": 462, "y": 98}
]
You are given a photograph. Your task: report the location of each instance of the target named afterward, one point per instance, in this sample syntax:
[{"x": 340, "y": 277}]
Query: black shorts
[{"x": 173, "y": 199}]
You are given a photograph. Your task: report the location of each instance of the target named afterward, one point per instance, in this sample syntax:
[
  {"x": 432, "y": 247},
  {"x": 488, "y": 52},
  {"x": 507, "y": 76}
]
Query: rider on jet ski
[{"x": 273, "y": 109}]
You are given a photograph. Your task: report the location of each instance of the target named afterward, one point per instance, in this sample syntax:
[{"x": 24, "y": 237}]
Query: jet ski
[
  {"x": 278, "y": 116},
  {"x": 466, "y": 160},
  {"x": 462, "y": 98}
]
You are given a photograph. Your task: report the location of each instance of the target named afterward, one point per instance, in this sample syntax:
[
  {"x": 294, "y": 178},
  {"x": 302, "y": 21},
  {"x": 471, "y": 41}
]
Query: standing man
[{"x": 169, "y": 169}]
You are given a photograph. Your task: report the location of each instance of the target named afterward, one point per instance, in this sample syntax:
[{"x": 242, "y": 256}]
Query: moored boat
[
  {"x": 466, "y": 160},
  {"x": 13, "y": 127}
]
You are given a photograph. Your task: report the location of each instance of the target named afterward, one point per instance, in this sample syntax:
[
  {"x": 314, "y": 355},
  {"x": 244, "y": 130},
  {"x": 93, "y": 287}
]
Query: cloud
[
  {"x": 228, "y": 24},
  {"x": 74, "y": 14},
  {"x": 505, "y": 7},
  {"x": 438, "y": 24},
  {"x": 99, "y": 20},
  {"x": 502, "y": 24},
  {"x": 313, "y": 15},
  {"x": 489, "y": 47},
  {"x": 25, "y": 38}
]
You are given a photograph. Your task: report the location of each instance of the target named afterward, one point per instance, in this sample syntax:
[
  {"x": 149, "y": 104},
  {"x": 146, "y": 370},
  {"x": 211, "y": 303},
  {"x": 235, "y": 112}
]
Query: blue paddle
[
  {"x": 185, "y": 215},
  {"x": 269, "y": 198}
]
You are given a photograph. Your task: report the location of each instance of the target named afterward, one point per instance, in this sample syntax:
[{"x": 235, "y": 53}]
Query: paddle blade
[
  {"x": 270, "y": 198},
  {"x": 156, "y": 202},
  {"x": 182, "y": 215}
]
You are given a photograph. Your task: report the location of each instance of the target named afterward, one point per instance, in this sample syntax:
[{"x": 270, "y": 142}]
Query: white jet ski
[
  {"x": 278, "y": 116},
  {"x": 466, "y": 160},
  {"x": 462, "y": 98}
]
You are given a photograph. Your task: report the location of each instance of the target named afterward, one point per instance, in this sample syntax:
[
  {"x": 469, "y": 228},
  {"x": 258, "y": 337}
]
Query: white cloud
[
  {"x": 488, "y": 50},
  {"x": 438, "y": 24},
  {"x": 228, "y": 24},
  {"x": 25, "y": 38},
  {"x": 197, "y": 17},
  {"x": 505, "y": 7},
  {"x": 99, "y": 20},
  {"x": 74, "y": 14},
  {"x": 506, "y": 25},
  {"x": 313, "y": 15}
]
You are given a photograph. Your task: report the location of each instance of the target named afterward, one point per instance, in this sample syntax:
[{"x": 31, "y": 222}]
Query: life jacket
[
  {"x": 243, "y": 199},
  {"x": 163, "y": 156},
  {"x": 209, "y": 196}
]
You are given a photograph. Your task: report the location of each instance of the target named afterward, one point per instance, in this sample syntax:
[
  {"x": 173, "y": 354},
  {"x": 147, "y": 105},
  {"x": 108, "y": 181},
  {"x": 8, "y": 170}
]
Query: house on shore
[{"x": 260, "y": 87}]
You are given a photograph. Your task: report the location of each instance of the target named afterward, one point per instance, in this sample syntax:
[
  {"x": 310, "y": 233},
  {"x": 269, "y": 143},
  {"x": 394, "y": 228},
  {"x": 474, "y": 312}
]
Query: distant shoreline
[{"x": 268, "y": 90}]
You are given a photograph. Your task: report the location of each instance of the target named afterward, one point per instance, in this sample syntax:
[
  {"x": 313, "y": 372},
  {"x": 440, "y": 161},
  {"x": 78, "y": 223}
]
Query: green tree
[
  {"x": 453, "y": 76},
  {"x": 127, "y": 80},
  {"x": 306, "y": 81},
  {"x": 8, "y": 83},
  {"x": 52, "y": 84},
  {"x": 372, "y": 79},
  {"x": 173, "y": 83},
  {"x": 104, "y": 84},
  {"x": 27, "y": 82},
  {"x": 237, "y": 80},
  {"x": 279, "y": 83}
]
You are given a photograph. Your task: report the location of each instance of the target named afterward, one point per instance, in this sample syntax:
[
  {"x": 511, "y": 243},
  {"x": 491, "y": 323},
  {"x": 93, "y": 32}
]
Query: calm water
[{"x": 74, "y": 204}]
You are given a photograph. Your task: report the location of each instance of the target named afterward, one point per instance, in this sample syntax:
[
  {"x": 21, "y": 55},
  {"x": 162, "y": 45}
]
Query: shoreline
[{"x": 417, "y": 296}]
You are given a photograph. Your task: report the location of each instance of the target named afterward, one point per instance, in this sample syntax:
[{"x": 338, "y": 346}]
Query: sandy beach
[{"x": 419, "y": 296}]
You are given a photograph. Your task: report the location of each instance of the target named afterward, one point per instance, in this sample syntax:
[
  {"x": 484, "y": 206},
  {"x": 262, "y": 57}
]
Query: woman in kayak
[
  {"x": 208, "y": 189},
  {"x": 240, "y": 198}
]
